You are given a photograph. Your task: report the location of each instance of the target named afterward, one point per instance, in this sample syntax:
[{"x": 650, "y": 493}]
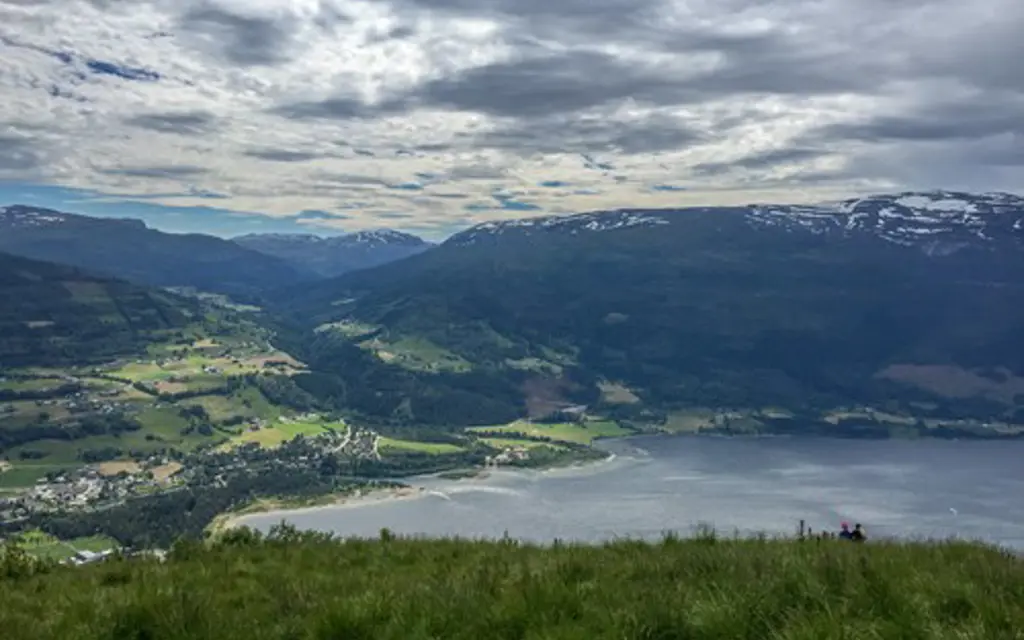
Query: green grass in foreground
[{"x": 307, "y": 587}]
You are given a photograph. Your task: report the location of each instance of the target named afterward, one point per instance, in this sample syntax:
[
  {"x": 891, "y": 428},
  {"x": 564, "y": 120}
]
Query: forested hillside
[
  {"x": 723, "y": 307},
  {"x": 52, "y": 315}
]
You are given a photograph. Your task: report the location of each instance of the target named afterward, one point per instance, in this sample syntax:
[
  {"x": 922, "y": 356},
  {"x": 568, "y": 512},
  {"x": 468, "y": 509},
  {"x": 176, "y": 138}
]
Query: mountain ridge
[
  {"x": 335, "y": 255},
  {"x": 127, "y": 248},
  {"x": 719, "y": 306}
]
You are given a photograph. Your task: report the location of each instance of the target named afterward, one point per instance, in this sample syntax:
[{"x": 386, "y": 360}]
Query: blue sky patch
[{"x": 185, "y": 219}]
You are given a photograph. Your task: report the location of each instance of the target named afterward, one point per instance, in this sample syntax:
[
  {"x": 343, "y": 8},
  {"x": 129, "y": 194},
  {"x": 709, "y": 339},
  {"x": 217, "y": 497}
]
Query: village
[{"x": 99, "y": 486}]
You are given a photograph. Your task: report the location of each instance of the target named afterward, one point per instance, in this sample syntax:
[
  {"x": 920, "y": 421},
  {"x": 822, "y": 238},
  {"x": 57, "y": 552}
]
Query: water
[{"x": 925, "y": 488}]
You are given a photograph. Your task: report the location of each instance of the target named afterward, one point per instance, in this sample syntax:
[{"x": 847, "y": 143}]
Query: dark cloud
[
  {"x": 543, "y": 86},
  {"x": 590, "y": 135},
  {"x": 283, "y": 155},
  {"x": 172, "y": 172},
  {"x": 346, "y": 178},
  {"x": 538, "y": 86},
  {"x": 252, "y": 41},
  {"x": 333, "y": 109},
  {"x": 242, "y": 40},
  {"x": 18, "y": 153},
  {"x": 187, "y": 123},
  {"x": 318, "y": 214},
  {"x": 475, "y": 172},
  {"x": 935, "y": 122},
  {"x": 762, "y": 160}
]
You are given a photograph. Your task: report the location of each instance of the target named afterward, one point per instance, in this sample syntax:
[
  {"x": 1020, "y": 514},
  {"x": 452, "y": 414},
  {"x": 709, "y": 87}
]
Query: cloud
[
  {"x": 428, "y": 108},
  {"x": 171, "y": 172},
  {"x": 282, "y": 155},
  {"x": 18, "y": 154},
  {"x": 189, "y": 123}
]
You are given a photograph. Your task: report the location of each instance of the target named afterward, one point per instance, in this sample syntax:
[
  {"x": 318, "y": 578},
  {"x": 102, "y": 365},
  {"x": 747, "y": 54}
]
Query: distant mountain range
[
  {"x": 333, "y": 256},
  {"x": 903, "y": 298},
  {"x": 910, "y": 301},
  {"x": 129, "y": 249}
]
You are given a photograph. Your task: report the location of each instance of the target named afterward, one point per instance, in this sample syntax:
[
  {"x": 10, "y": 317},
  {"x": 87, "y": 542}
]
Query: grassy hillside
[
  {"x": 306, "y": 586},
  {"x": 95, "y": 369},
  {"x": 55, "y": 315}
]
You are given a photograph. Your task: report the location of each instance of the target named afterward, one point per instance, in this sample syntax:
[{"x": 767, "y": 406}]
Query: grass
[
  {"x": 504, "y": 443},
  {"x": 573, "y": 433},
  {"x": 422, "y": 447},
  {"x": 42, "y": 545},
  {"x": 392, "y": 589},
  {"x": 417, "y": 354},
  {"x": 281, "y": 432},
  {"x": 25, "y": 475},
  {"x": 30, "y": 384}
]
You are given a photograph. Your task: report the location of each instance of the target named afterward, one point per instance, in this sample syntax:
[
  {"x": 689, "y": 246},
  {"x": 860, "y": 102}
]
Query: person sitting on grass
[
  {"x": 858, "y": 534},
  {"x": 845, "y": 533}
]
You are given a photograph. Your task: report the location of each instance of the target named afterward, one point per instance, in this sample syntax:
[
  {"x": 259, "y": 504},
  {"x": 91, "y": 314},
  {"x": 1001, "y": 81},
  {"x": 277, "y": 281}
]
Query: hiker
[
  {"x": 845, "y": 534},
  {"x": 858, "y": 534}
]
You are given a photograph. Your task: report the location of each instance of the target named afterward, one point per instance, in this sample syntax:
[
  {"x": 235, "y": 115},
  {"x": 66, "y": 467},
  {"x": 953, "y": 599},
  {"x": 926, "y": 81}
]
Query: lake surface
[{"x": 924, "y": 488}]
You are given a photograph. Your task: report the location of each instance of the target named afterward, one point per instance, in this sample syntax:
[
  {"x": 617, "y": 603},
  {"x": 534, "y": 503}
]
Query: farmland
[{"x": 585, "y": 433}]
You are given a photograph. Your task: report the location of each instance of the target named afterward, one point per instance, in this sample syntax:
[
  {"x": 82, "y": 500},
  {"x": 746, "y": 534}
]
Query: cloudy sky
[{"x": 233, "y": 116}]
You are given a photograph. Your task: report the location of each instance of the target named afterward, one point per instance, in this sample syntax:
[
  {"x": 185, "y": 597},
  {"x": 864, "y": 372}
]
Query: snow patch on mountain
[
  {"x": 573, "y": 224},
  {"x": 956, "y": 218},
  {"x": 937, "y": 222},
  {"x": 18, "y": 216}
]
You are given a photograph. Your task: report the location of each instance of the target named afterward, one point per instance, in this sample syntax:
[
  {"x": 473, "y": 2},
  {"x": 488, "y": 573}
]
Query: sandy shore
[{"x": 283, "y": 508}]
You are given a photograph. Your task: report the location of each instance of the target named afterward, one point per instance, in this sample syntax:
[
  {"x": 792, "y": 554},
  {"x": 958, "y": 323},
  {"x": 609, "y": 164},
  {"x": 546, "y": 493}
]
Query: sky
[{"x": 331, "y": 116}]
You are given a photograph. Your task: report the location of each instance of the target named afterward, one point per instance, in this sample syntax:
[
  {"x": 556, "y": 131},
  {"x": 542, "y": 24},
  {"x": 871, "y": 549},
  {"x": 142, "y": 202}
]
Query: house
[{"x": 89, "y": 557}]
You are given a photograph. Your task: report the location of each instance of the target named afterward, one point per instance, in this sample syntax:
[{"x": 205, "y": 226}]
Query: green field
[
  {"x": 417, "y": 354},
  {"x": 505, "y": 443},
  {"x": 280, "y": 432},
  {"x": 21, "y": 475},
  {"x": 248, "y": 403},
  {"x": 573, "y": 433},
  {"x": 30, "y": 384},
  {"x": 423, "y": 447},
  {"x": 395, "y": 589},
  {"x": 42, "y": 545}
]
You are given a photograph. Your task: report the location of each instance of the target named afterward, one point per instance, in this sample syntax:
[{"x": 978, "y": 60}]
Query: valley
[{"x": 144, "y": 412}]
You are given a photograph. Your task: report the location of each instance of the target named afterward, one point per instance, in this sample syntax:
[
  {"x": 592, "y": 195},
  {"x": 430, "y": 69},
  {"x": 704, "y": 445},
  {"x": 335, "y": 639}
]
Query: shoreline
[{"x": 233, "y": 519}]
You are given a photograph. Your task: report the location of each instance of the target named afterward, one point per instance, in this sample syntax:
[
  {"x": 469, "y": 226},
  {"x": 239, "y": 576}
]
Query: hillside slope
[
  {"x": 53, "y": 315},
  {"x": 299, "y": 586},
  {"x": 130, "y": 250},
  {"x": 866, "y": 301},
  {"x": 329, "y": 257}
]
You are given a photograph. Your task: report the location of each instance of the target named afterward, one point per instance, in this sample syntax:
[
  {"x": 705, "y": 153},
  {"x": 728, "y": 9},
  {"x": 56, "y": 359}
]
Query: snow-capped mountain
[
  {"x": 333, "y": 256},
  {"x": 572, "y": 224},
  {"x": 19, "y": 216},
  {"x": 938, "y": 222}
]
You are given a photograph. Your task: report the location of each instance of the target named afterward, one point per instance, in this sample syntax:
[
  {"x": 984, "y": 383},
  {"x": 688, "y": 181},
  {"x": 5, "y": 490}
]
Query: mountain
[
  {"x": 53, "y": 315},
  {"x": 908, "y": 300},
  {"x": 129, "y": 249},
  {"x": 329, "y": 257}
]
